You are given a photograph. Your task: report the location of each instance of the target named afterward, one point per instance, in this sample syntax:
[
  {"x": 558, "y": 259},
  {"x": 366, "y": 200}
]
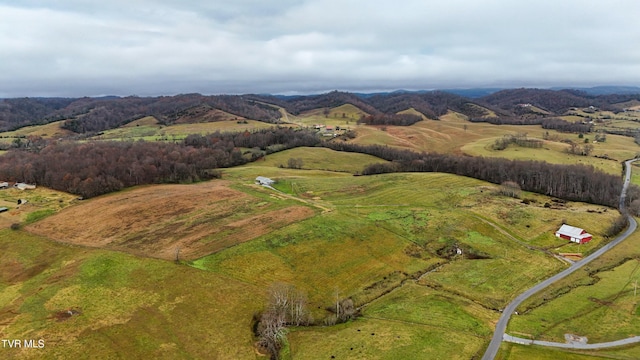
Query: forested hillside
[{"x": 91, "y": 115}]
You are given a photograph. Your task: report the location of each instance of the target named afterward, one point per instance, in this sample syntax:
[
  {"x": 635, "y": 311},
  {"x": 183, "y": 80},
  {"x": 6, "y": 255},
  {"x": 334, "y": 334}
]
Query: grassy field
[
  {"x": 453, "y": 133},
  {"x": 344, "y": 116},
  {"x": 410, "y": 323},
  {"x": 320, "y": 159},
  {"x": 41, "y": 202},
  {"x": 107, "y": 304},
  {"x": 597, "y": 302},
  {"x": 555, "y": 152},
  {"x": 383, "y": 230},
  {"x": 47, "y": 131},
  {"x": 157, "y": 220},
  {"x": 388, "y": 242},
  {"x": 516, "y": 352},
  {"x": 146, "y": 130}
]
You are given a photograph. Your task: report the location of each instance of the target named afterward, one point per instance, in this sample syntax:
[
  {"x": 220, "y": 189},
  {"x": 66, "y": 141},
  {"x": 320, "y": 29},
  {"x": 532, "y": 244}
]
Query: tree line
[
  {"x": 95, "y": 168},
  {"x": 570, "y": 182},
  {"x": 546, "y": 123},
  {"x": 390, "y": 119},
  {"x": 566, "y": 126}
]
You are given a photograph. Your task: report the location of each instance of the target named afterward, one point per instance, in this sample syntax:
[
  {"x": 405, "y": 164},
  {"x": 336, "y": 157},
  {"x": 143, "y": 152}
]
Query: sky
[{"x": 165, "y": 47}]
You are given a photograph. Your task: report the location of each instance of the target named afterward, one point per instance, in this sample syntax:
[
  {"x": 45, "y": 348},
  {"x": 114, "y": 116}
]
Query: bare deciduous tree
[
  {"x": 286, "y": 306},
  {"x": 510, "y": 188}
]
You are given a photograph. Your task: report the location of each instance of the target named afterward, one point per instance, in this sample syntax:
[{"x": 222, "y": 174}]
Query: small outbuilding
[
  {"x": 23, "y": 186},
  {"x": 264, "y": 181},
  {"x": 573, "y": 234}
]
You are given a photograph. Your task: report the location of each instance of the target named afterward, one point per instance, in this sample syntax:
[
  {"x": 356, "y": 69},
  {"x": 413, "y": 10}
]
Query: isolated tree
[
  {"x": 634, "y": 207},
  {"x": 295, "y": 163},
  {"x": 587, "y": 149},
  {"x": 347, "y": 310},
  {"x": 510, "y": 188}
]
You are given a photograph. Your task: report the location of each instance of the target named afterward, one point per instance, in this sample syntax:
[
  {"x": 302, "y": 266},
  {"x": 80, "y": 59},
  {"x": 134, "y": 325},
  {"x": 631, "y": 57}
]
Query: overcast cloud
[{"x": 145, "y": 47}]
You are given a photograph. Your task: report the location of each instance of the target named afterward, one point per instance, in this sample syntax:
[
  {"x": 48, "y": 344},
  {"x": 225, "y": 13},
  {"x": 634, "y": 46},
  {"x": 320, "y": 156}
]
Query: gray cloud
[{"x": 144, "y": 47}]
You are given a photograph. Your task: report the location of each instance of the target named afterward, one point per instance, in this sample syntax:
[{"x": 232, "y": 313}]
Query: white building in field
[
  {"x": 264, "y": 181},
  {"x": 23, "y": 186}
]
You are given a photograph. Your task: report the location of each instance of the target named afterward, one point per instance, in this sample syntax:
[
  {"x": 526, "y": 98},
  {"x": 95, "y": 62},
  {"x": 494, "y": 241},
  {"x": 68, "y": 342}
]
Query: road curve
[{"x": 501, "y": 326}]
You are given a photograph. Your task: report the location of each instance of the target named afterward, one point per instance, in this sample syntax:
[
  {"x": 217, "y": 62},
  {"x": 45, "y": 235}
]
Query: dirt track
[{"x": 155, "y": 220}]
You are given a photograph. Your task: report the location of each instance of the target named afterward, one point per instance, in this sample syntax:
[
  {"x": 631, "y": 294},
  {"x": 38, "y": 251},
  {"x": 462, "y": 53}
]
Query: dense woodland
[
  {"x": 90, "y": 115},
  {"x": 96, "y": 168}
]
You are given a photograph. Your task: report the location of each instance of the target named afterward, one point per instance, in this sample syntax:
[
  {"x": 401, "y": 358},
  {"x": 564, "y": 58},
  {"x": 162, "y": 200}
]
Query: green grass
[
  {"x": 372, "y": 234},
  {"x": 320, "y": 159},
  {"x": 155, "y": 132},
  {"x": 135, "y": 306},
  {"x": 601, "y": 306},
  {"x": 382, "y": 339},
  {"x": 554, "y": 152},
  {"x": 38, "y": 214},
  {"x": 517, "y": 352},
  {"x": 422, "y": 305}
]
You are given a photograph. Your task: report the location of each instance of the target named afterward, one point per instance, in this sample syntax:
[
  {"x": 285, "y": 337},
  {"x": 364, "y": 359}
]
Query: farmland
[
  {"x": 107, "y": 303},
  {"x": 197, "y": 219},
  {"x": 428, "y": 259},
  {"x": 40, "y": 203},
  {"x": 155, "y": 132}
]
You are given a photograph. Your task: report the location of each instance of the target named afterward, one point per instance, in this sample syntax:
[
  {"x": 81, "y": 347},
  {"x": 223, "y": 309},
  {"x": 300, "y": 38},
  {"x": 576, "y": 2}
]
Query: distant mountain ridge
[{"x": 86, "y": 115}]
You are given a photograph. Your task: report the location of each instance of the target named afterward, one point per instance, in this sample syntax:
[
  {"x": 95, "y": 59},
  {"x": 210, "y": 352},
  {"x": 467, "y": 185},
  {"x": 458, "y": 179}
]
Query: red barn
[{"x": 574, "y": 234}]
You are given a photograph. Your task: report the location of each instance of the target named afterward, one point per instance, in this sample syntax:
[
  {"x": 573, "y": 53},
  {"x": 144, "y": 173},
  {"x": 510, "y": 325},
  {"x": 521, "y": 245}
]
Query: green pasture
[
  {"x": 381, "y": 339},
  {"x": 598, "y": 301},
  {"x": 602, "y": 308},
  {"x": 422, "y": 305},
  {"x": 516, "y": 352},
  {"x": 320, "y": 159},
  {"x": 346, "y": 116},
  {"x": 121, "y": 304},
  {"x": 617, "y": 148},
  {"x": 396, "y": 223},
  {"x": 156, "y": 132}
]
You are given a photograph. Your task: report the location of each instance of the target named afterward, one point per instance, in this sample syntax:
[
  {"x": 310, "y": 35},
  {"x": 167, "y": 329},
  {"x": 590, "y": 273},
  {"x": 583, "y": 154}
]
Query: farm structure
[
  {"x": 264, "y": 181},
  {"x": 3, "y": 209},
  {"x": 4, "y": 185},
  {"x": 23, "y": 186},
  {"x": 574, "y": 234}
]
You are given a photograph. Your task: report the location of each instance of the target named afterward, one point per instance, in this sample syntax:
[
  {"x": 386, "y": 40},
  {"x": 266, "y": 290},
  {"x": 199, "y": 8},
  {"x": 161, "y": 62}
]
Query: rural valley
[{"x": 334, "y": 226}]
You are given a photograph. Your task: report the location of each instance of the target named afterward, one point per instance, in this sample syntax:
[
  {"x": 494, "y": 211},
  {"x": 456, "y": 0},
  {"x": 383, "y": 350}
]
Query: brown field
[
  {"x": 47, "y": 131},
  {"x": 204, "y": 114},
  {"x": 156, "y": 220}
]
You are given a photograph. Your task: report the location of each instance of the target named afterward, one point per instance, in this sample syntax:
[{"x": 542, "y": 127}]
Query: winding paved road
[{"x": 501, "y": 326}]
